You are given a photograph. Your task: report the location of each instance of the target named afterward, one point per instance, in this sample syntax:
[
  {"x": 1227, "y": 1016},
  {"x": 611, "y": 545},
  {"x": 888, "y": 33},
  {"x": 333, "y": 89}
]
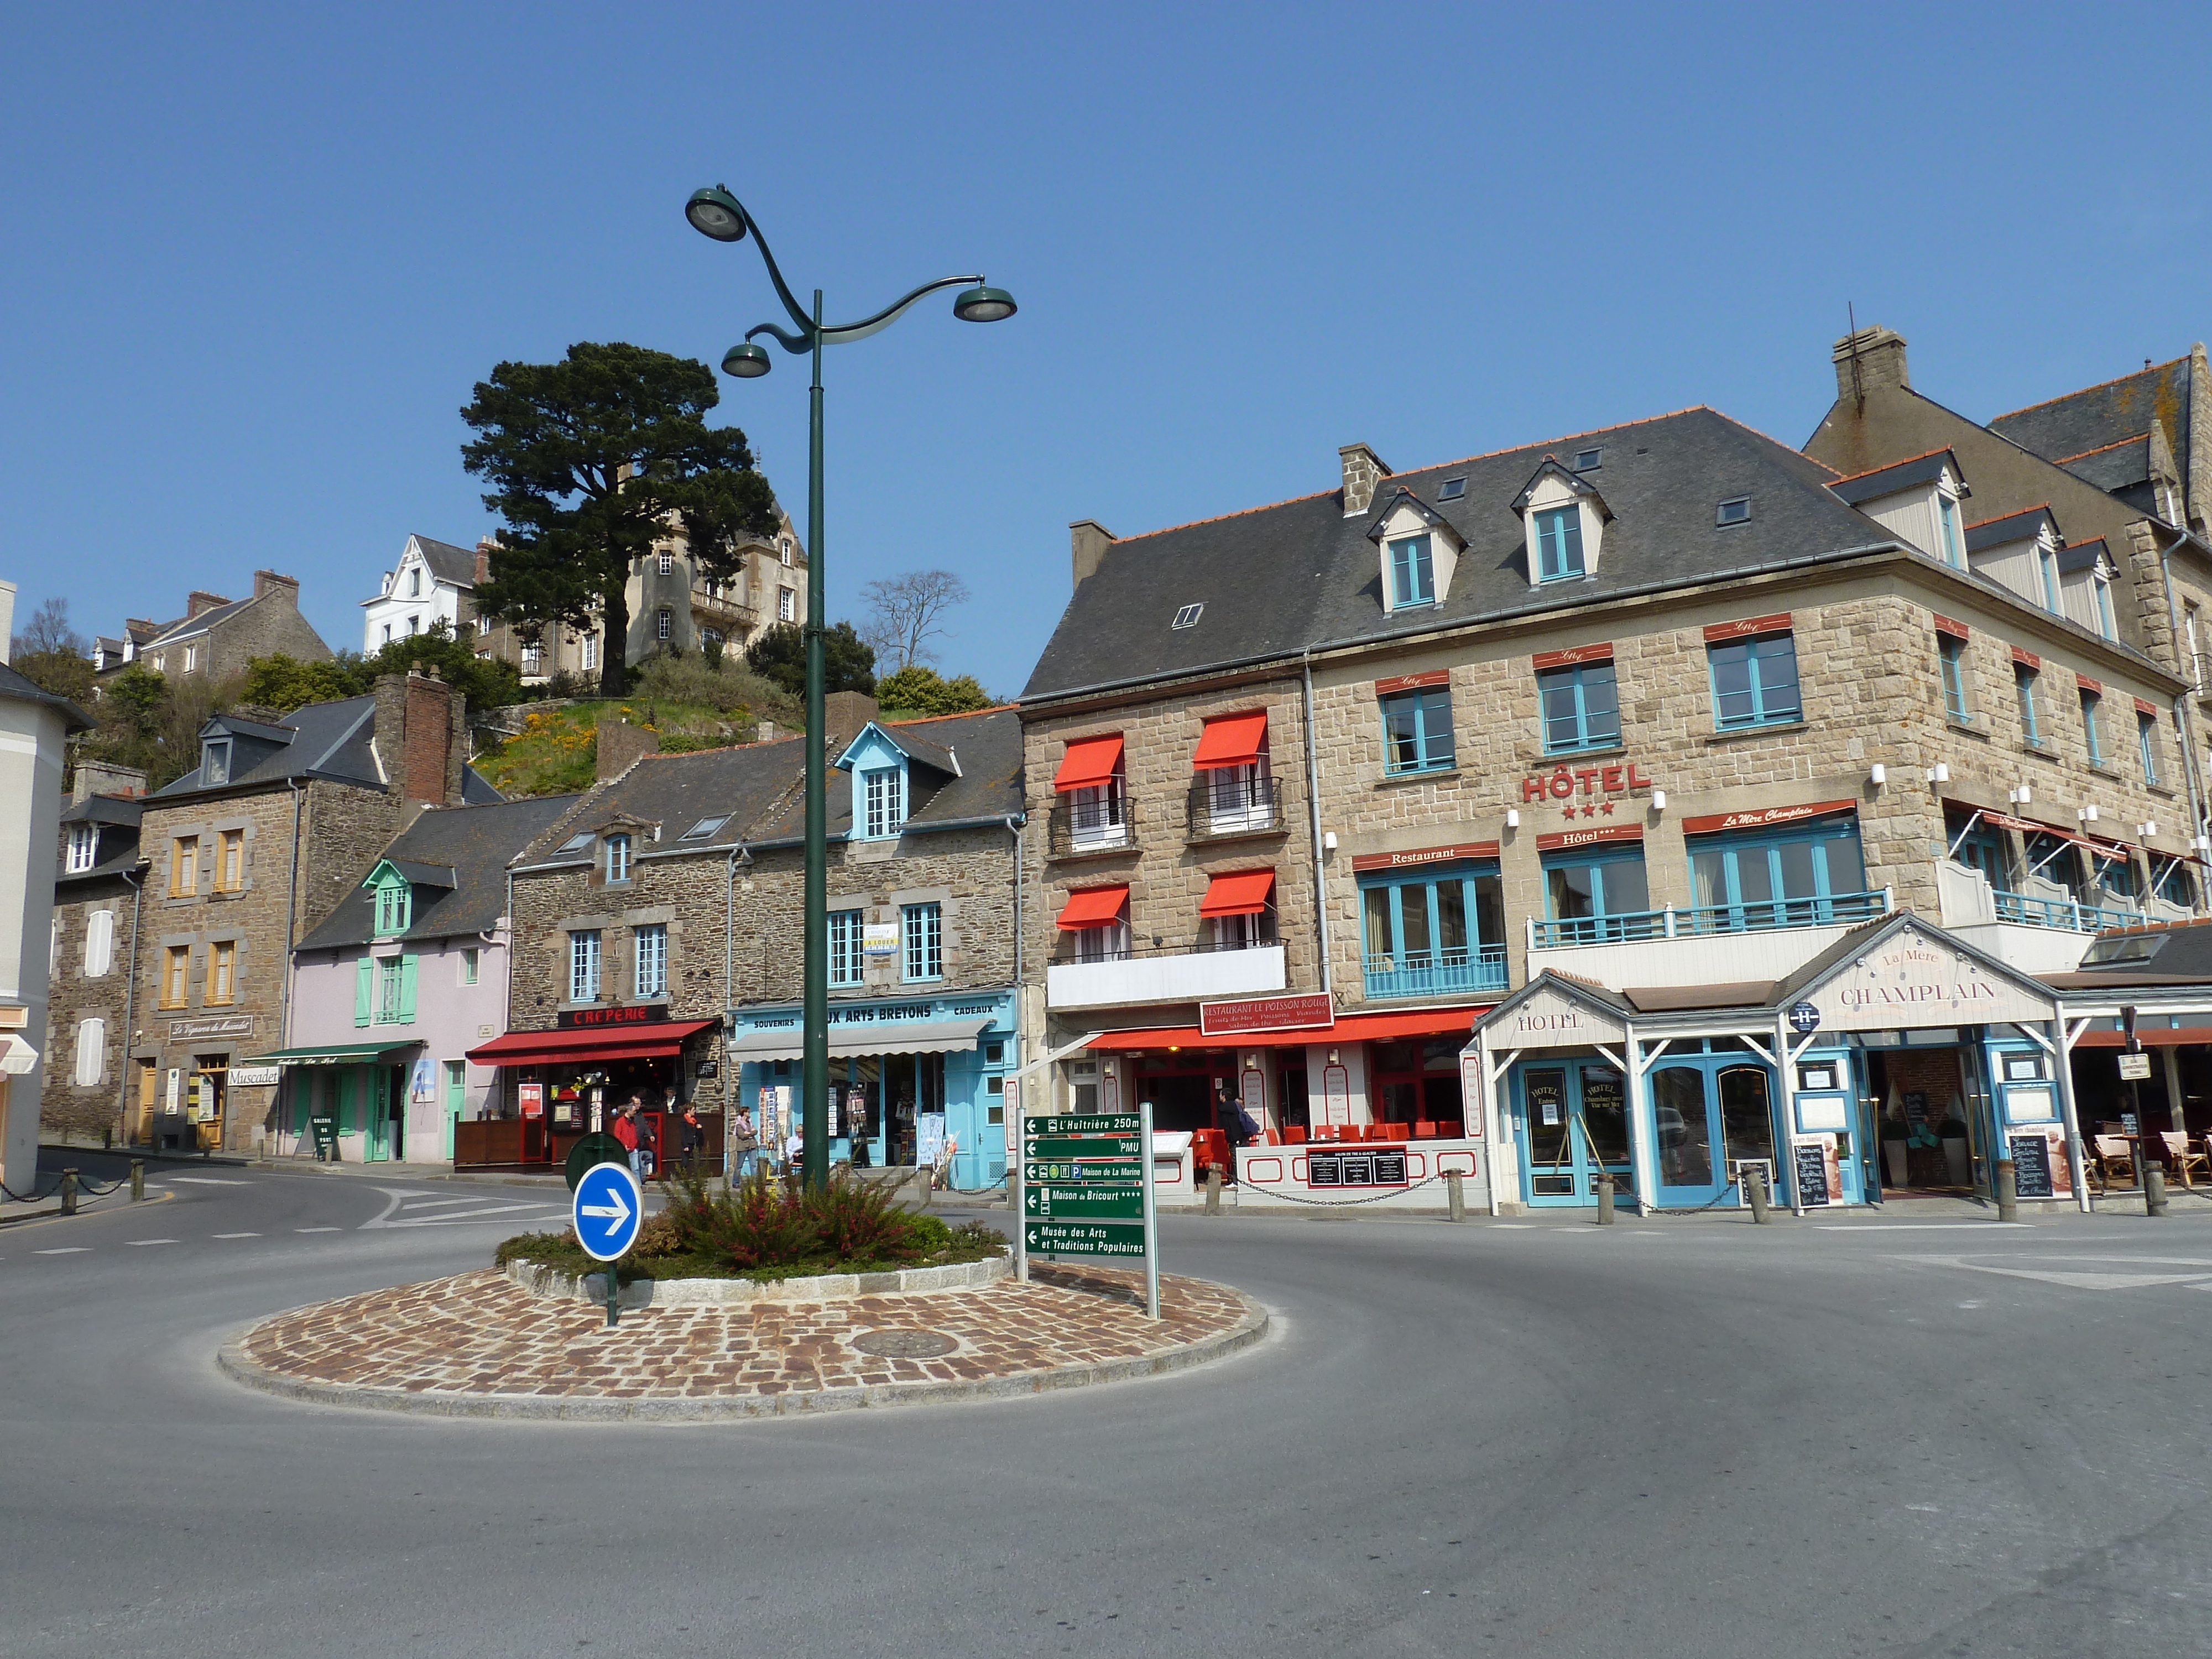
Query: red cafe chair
[
  {"x": 1294, "y": 1135},
  {"x": 1423, "y": 1130}
]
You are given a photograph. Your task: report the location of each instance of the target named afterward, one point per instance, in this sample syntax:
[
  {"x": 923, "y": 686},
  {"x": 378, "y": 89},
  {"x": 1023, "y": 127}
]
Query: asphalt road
[{"x": 1665, "y": 1437}]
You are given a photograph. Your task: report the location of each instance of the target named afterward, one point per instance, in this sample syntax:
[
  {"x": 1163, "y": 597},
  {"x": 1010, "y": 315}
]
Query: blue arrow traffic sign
[{"x": 606, "y": 1210}]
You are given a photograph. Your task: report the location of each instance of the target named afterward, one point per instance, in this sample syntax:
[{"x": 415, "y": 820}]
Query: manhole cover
[{"x": 905, "y": 1345}]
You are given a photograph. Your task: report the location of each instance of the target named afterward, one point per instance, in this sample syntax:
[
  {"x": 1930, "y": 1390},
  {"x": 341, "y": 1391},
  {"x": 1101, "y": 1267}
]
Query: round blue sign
[
  {"x": 1804, "y": 1018},
  {"x": 607, "y": 1209}
]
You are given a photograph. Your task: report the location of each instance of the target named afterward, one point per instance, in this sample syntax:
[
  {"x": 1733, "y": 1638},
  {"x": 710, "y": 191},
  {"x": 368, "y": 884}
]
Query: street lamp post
[{"x": 716, "y": 213}]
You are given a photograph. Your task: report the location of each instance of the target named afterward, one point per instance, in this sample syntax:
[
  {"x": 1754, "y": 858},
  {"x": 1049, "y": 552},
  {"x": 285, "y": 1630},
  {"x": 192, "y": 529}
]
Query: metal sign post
[
  {"x": 1086, "y": 1190},
  {"x": 1152, "y": 1217},
  {"x": 606, "y": 1211}
]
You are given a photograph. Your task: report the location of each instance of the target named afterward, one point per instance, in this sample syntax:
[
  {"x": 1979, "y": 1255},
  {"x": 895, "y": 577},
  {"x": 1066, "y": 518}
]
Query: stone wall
[{"x": 88, "y": 1114}]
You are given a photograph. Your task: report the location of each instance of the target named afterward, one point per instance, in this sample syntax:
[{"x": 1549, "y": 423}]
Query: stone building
[
  {"x": 1665, "y": 709},
  {"x": 99, "y": 901},
  {"x": 2145, "y": 438},
  {"x": 216, "y": 637},
  {"x": 244, "y": 855}
]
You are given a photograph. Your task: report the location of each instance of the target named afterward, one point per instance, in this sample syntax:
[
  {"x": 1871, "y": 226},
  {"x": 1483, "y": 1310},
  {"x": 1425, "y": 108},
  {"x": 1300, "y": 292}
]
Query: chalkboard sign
[
  {"x": 2031, "y": 1166},
  {"x": 1915, "y": 1106},
  {"x": 1361, "y": 1169},
  {"x": 1810, "y": 1159}
]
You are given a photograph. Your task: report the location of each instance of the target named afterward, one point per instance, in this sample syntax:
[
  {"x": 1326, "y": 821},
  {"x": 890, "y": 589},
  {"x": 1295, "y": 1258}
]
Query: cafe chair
[
  {"x": 1423, "y": 1130},
  {"x": 1295, "y": 1135},
  {"x": 2185, "y": 1161},
  {"x": 2114, "y": 1155},
  {"x": 1448, "y": 1130},
  {"x": 1401, "y": 1131}
]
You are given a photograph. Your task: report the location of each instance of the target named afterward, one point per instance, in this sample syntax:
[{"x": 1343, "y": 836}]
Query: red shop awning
[
  {"x": 1351, "y": 1028},
  {"x": 1093, "y": 907},
  {"x": 1088, "y": 762},
  {"x": 1242, "y": 893},
  {"x": 561, "y": 1048},
  {"x": 1231, "y": 740}
]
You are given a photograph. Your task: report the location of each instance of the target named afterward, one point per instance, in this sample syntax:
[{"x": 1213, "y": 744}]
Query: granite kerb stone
[{"x": 557, "y": 1284}]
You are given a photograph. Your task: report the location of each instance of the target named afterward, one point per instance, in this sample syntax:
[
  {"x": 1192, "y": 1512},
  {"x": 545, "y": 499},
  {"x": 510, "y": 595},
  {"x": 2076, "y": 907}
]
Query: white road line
[
  {"x": 233, "y": 1234},
  {"x": 1913, "y": 1226},
  {"x": 318, "y": 1229},
  {"x": 149, "y": 1241},
  {"x": 210, "y": 1181},
  {"x": 65, "y": 1249}
]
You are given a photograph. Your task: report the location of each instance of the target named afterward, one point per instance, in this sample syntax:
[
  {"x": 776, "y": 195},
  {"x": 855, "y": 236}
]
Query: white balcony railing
[{"x": 1176, "y": 977}]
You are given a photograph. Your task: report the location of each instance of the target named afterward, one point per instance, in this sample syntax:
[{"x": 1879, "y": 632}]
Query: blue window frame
[
  {"x": 1417, "y": 730},
  {"x": 922, "y": 930},
  {"x": 1558, "y": 543},
  {"x": 845, "y": 957},
  {"x": 2147, "y": 745},
  {"x": 2048, "y": 559},
  {"x": 2089, "y": 701},
  {"x": 2173, "y": 884},
  {"x": 1952, "y": 651},
  {"x": 2104, "y": 610},
  {"x": 1947, "y": 511},
  {"x": 1754, "y": 681},
  {"x": 2030, "y": 727},
  {"x": 1438, "y": 932},
  {"x": 1981, "y": 848},
  {"x": 1412, "y": 572},
  {"x": 1581, "y": 708},
  {"x": 1596, "y": 897},
  {"x": 1777, "y": 878}
]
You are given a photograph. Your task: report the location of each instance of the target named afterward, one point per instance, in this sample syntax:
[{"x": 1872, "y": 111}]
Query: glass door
[
  {"x": 1709, "y": 1115},
  {"x": 1573, "y": 1125}
]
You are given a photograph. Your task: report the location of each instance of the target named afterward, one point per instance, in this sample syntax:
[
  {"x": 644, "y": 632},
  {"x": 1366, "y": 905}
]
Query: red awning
[
  {"x": 559, "y": 1048},
  {"x": 1244, "y": 893},
  {"x": 1231, "y": 740},
  {"x": 1348, "y": 1029},
  {"x": 1088, "y": 762},
  {"x": 1093, "y": 906}
]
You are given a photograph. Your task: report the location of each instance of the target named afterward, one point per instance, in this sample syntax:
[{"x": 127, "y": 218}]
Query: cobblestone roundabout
[{"x": 478, "y": 1344}]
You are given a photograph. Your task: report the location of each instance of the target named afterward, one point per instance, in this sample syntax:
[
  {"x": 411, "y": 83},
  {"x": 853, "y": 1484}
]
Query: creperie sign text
[{"x": 1566, "y": 782}]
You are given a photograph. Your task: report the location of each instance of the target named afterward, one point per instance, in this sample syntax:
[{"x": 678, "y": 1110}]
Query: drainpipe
[
  {"x": 1014, "y": 828},
  {"x": 2183, "y": 715},
  {"x": 291, "y": 932},
  {"x": 130, "y": 997},
  {"x": 1313, "y": 804}
]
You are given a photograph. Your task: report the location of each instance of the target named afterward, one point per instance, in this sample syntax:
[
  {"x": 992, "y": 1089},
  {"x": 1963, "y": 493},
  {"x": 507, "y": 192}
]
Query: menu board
[
  {"x": 1809, "y": 1162},
  {"x": 1359, "y": 1169},
  {"x": 2031, "y": 1166}
]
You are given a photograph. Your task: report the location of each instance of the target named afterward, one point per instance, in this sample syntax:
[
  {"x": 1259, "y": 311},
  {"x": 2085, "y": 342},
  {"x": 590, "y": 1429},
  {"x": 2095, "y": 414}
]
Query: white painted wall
[{"x": 32, "y": 735}]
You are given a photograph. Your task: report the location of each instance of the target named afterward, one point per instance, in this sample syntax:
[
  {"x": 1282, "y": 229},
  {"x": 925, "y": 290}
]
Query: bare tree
[
  {"x": 905, "y": 613},
  {"x": 48, "y": 633}
]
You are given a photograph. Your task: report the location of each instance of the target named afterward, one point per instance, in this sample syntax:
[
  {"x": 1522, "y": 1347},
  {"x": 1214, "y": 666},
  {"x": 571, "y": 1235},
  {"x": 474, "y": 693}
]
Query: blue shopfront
[
  {"x": 1828, "y": 1084},
  {"x": 911, "y": 1080}
]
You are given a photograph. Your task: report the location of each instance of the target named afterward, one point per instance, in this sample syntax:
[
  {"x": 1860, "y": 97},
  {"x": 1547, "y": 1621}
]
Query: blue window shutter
[
  {"x": 407, "y": 966},
  {"x": 364, "y": 989}
]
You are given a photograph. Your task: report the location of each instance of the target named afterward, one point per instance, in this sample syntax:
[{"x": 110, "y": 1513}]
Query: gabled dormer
[
  {"x": 1562, "y": 521},
  {"x": 894, "y": 776},
  {"x": 1917, "y": 500},
  {"x": 2020, "y": 551},
  {"x": 1420, "y": 552},
  {"x": 394, "y": 883},
  {"x": 232, "y": 746},
  {"x": 2086, "y": 571},
  {"x": 619, "y": 841}
]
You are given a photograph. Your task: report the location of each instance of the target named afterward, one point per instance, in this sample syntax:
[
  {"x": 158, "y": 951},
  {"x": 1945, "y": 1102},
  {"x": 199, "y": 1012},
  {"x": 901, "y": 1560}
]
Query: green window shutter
[
  {"x": 407, "y": 966},
  {"x": 364, "y": 989}
]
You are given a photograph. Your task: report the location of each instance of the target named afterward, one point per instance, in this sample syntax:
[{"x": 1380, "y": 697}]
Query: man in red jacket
[{"x": 625, "y": 1130}]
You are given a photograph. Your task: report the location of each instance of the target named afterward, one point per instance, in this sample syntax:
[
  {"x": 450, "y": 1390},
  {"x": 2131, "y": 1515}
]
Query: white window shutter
[
  {"x": 99, "y": 944},
  {"x": 91, "y": 1052}
]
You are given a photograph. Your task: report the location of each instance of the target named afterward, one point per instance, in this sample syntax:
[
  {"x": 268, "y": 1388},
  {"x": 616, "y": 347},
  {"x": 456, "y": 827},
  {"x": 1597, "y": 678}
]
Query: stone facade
[
  {"x": 88, "y": 982},
  {"x": 217, "y": 637}
]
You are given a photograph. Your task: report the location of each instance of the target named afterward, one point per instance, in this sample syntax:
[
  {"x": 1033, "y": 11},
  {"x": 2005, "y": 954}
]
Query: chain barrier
[
  {"x": 34, "y": 1194},
  {"x": 1350, "y": 1203}
]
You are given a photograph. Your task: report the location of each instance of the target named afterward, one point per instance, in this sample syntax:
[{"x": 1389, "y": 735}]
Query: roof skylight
[
  {"x": 576, "y": 843},
  {"x": 1735, "y": 510},
  {"x": 705, "y": 827},
  {"x": 1589, "y": 460},
  {"x": 1451, "y": 490},
  {"x": 1188, "y": 616}
]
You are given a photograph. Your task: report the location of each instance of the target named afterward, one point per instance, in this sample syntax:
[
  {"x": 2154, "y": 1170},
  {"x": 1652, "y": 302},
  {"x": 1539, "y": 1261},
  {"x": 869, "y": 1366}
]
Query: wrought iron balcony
[
  {"x": 1077, "y": 829},
  {"x": 1436, "y": 973},
  {"x": 2061, "y": 913},
  {"x": 1758, "y": 916},
  {"x": 1223, "y": 805}
]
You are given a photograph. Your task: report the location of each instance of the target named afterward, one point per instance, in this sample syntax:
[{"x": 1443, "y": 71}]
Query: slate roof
[
  {"x": 2080, "y": 555},
  {"x": 322, "y": 739},
  {"x": 186, "y": 628},
  {"x": 743, "y": 784},
  {"x": 468, "y": 846},
  {"x": 115, "y": 814},
  {"x": 2151, "y": 956},
  {"x": 2086, "y": 424},
  {"x": 2012, "y": 527},
  {"x": 448, "y": 563},
  {"x": 1898, "y": 475},
  {"x": 989, "y": 787},
  {"x": 13, "y": 684},
  {"x": 1278, "y": 578},
  {"x": 106, "y": 809}
]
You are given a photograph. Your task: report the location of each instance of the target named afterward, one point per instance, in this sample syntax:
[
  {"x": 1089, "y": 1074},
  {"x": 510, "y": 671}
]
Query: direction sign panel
[
  {"x": 1083, "y": 1203},
  {"x": 1084, "y": 1237},
  {"x": 606, "y": 1210},
  {"x": 1096, "y": 1123},
  {"x": 1061, "y": 1147},
  {"x": 1117, "y": 1171}
]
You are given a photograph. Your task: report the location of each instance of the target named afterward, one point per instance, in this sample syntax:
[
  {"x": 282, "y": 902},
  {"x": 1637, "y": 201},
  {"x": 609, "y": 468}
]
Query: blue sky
[{"x": 256, "y": 258}]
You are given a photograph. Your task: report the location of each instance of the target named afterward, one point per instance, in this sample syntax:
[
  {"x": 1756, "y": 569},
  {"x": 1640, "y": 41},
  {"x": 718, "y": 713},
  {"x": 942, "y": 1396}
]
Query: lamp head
[
  {"x": 714, "y": 212},
  {"x": 745, "y": 362},
  {"x": 983, "y": 304}
]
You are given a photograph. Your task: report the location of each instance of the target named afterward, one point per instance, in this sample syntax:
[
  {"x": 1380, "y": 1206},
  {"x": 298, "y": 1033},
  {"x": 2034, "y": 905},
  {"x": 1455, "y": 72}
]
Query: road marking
[
  {"x": 2073, "y": 1280},
  {"x": 65, "y": 1249},
  {"x": 149, "y": 1241},
  {"x": 210, "y": 1181},
  {"x": 1912, "y": 1226},
  {"x": 233, "y": 1234},
  {"x": 318, "y": 1229},
  {"x": 413, "y": 1207}
]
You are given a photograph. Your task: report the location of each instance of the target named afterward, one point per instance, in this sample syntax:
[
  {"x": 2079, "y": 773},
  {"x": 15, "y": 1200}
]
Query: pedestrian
[
  {"x": 744, "y": 1143},
  {"x": 794, "y": 1150},
  {"x": 625, "y": 1131},
  {"x": 693, "y": 1134}
]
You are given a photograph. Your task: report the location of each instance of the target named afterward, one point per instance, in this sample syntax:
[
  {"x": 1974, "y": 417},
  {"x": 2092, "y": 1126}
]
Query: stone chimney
[
  {"x": 1089, "y": 539},
  {"x": 620, "y": 744},
  {"x": 7, "y": 620},
  {"x": 1362, "y": 471},
  {"x": 100, "y": 778},
  {"x": 1873, "y": 357},
  {"x": 484, "y": 546},
  {"x": 422, "y": 738},
  {"x": 199, "y": 601},
  {"x": 266, "y": 582},
  {"x": 844, "y": 713}
]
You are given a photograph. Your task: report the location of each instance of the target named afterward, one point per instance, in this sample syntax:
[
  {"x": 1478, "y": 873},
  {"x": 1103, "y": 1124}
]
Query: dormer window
[
  {"x": 618, "y": 858},
  {"x": 215, "y": 762},
  {"x": 415, "y": 583},
  {"x": 1565, "y": 518},
  {"x": 1917, "y": 500},
  {"x": 1412, "y": 572},
  {"x": 1946, "y": 513},
  {"x": 395, "y": 908},
  {"x": 2085, "y": 587},
  {"x": 885, "y": 793},
  {"x": 83, "y": 847},
  {"x": 1558, "y": 543}
]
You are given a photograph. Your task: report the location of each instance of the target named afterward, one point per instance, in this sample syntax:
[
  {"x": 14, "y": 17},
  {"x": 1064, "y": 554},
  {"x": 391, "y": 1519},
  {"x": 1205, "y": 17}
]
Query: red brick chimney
[
  {"x": 422, "y": 738},
  {"x": 199, "y": 601},
  {"x": 484, "y": 546}
]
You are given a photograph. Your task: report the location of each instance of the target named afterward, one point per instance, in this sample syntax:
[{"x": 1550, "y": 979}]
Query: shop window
[
  {"x": 184, "y": 866},
  {"x": 2031, "y": 725},
  {"x": 1951, "y": 654},
  {"x": 584, "y": 965},
  {"x": 83, "y": 849},
  {"x": 650, "y": 950},
  {"x": 921, "y": 930},
  {"x": 1417, "y": 730},
  {"x": 1754, "y": 681},
  {"x": 222, "y": 973},
  {"x": 2147, "y": 746},
  {"x": 2091, "y": 704},
  {"x": 1802, "y": 877},
  {"x": 1596, "y": 897},
  {"x": 618, "y": 852},
  {"x": 1433, "y": 934},
  {"x": 845, "y": 960},
  {"x": 176, "y": 975},
  {"x": 1416, "y": 1081},
  {"x": 884, "y": 788},
  {"x": 1581, "y": 707}
]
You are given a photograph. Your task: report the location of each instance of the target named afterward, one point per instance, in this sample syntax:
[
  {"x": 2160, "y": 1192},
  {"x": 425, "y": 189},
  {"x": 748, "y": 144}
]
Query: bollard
[
  {"x": 2008, "y": 1191},
  {"x": 69, "y": 1192},
  {"x": 1605, "y": 1201},
  {"x": 1755, "y": 1187},
  {"x": 138, "y": 1180},
  {"x": 1456, "y": 1196},
  {"x": 1213, "y": 1189},
  {"x": 2154, "y": 1186}
]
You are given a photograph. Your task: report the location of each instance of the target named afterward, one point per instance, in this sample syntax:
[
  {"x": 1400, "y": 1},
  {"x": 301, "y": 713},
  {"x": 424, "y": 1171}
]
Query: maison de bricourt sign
[{"x": 1907, "y": 981}]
